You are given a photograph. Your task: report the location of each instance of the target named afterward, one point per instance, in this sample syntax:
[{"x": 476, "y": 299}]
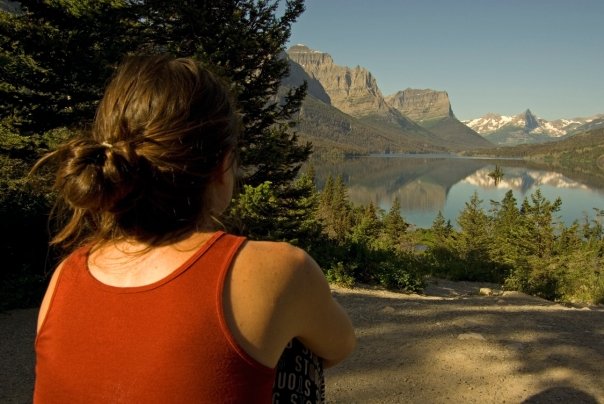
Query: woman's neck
[{"x": 129, "y": 263}]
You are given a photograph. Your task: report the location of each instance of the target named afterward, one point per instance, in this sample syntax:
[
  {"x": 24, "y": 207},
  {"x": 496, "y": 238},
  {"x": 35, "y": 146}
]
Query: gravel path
[{"x": 448, "y": 346}]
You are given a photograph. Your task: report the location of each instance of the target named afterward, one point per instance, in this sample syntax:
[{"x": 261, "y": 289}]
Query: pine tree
[
  {"x": 593, "y": 229},
  {"x": 441, "y": 228},
  {"x": 261, "y": 213},
  {"x": 474, "y": 240},
  {"x": 394, "y": 224},
  {"x": 442, "y": 251},
  {"x": 509, "y": 231},
  {"x": 334, "y": 209},
  {"x": 538, "y": 215},
  {"x": 58, "y": 55},
  {"x": 340, "y": 205},
  {"x": 367, "y": 225},
  {"x": 324, "y": 209}
]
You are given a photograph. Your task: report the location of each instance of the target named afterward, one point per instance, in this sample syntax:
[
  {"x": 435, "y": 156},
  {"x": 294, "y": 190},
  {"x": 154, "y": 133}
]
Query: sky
[{"x": 499, "y": 56}]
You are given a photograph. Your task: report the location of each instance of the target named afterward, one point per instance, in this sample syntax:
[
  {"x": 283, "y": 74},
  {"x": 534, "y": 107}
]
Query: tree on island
[{"x": 496, "y": 174}]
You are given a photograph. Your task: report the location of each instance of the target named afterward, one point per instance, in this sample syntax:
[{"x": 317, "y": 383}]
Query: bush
[
  {"x": 339, "y": 274},
  {"x": 399, "y": 274}
]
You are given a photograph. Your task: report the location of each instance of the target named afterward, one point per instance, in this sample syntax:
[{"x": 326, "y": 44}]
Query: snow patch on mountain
[
  {"x": 496, "y": 126},
  {"x": 489, "y": 123}
]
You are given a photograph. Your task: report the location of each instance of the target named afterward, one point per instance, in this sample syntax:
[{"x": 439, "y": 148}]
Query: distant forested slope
[{"x": 582, "y": 149}]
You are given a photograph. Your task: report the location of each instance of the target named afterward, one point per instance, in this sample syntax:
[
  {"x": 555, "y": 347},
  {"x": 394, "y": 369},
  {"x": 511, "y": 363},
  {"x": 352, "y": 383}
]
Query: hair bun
[{"x": 97, "y": 176}]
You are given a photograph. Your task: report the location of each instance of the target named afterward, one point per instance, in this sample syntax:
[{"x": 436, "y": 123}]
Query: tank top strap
[{"x": 222, "y": 254}]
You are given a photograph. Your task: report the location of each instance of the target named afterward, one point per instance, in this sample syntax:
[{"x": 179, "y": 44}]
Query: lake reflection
[{"x": 428, "y": 184}]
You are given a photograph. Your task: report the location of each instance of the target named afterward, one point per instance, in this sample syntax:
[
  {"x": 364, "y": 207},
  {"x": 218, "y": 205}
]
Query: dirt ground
[
  {"x": 453, "y": 345},
  {"x": 450, "y": 345}
]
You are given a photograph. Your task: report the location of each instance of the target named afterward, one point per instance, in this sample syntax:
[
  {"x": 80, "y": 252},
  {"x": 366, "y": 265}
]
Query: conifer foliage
[
  {"x": 523, "y": 247},
  {"x": 57, "y": 55},
  {"x": 367, "y": 244}
]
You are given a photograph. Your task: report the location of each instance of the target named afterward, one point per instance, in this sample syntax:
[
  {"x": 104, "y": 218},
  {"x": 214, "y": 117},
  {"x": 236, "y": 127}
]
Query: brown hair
[{"x": 162, "y": 130}]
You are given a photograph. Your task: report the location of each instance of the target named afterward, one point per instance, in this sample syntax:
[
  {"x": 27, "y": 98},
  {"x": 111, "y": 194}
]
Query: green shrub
[
  {"x": 395, "y": 275},
  {"x": 339, "y": 274}
]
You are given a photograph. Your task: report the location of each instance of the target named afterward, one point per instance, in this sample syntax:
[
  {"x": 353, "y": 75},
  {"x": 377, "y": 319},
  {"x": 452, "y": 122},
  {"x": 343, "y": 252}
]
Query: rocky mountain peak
[
  {"x": 297, "y": 76},
  {"x": 422, "y": 104},
  {"x": 351, "y": 90},
  {"x": 530, "y": 121},
  {"x": 309, "y": 58}
]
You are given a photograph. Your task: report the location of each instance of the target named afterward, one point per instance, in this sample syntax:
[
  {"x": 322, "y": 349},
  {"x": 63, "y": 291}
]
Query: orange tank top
[{"x": 166, "y": 342}]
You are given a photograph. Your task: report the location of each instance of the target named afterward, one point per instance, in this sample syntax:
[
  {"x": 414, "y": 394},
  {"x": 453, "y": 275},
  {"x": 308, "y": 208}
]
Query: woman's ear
[
  {"x": 226, "y": 169},
  {"x": 219, "y": 192}
]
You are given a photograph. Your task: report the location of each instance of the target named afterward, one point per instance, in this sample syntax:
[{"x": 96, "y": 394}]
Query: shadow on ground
[{"x": 468, "y": 348}]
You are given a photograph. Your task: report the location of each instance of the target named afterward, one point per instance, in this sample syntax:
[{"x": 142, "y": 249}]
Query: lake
[{"x": 427, "y": 184}]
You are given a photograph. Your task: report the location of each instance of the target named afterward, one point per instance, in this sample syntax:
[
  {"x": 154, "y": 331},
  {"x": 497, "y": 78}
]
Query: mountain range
[
  {"x": 527, "y": 128},
  {"x": 346, "y": 111}
]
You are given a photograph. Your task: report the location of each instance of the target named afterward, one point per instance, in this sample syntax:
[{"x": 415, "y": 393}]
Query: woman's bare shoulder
[
  {"x": 274, "y": 249},
  {"x": 276, "y": 258},
  {"x": 263, "y": 246}
]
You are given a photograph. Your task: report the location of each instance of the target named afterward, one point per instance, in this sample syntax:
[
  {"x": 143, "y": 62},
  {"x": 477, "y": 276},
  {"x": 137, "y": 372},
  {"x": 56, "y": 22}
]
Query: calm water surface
[{"x": 426, "y": 184}]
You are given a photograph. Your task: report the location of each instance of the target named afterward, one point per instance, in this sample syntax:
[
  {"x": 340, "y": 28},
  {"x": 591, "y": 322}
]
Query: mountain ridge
[
  {"x": 422, "y": 104},
  {"x": 334, "y": 131},
  {"x": 526, "y": 127},
  {"x": 432, "y": 110},
  {"x": 355, "y": 92}
]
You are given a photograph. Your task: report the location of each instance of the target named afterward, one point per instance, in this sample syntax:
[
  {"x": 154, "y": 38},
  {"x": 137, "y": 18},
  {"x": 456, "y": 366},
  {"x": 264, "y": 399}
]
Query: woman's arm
[
  {"x": 321, "y": 323},
  {"x": 276, "y": 292},
  {"x": 48, "y": 297}
]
